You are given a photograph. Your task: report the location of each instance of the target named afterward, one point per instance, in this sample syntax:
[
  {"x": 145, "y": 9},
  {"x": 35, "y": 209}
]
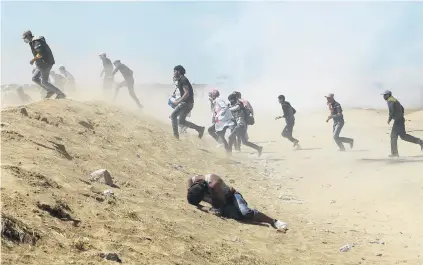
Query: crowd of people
[{"x": 234, "y": 115}]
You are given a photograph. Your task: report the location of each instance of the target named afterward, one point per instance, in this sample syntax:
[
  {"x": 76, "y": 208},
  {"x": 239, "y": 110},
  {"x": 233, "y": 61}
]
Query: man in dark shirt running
[
  {"x": 184, "y": 104},
  {"x": 396, "y": 113},
  {"x": 44, "y": 61},
  {"x": 288, "y": 114},
  {"x": 338, "y": 122},
  {"x": 107, "y": 71},
  {"x": 128, "y": 81}
]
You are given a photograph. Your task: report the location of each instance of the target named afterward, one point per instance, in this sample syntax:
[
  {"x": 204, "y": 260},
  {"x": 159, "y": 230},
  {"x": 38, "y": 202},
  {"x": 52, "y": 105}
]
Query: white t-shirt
[{"x": 222, "y": 114}]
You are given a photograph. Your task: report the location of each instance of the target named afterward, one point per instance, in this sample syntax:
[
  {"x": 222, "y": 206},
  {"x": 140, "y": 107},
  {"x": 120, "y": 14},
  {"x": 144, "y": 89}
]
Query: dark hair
[
  {"x": 232, "y": 96},
  {"x": 238, "y": 94},
  {"x": 180, "y": 69},
  {"x": 282, "y": 97},
  {"x": 196, "y": 192}
]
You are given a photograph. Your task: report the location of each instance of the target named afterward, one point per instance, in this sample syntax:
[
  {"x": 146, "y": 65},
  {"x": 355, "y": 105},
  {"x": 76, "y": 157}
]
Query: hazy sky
[{"x": 266, "y": 48}]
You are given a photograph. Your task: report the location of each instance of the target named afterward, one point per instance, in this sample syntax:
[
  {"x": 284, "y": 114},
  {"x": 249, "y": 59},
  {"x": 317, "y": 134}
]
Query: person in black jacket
[
  {"x": 396, "y": 113},
  {"x": 288, "y": 114},
  {"x": 128, "y": 81},
  {"x": 44, "y": 60},
  {"x": 184, "y": 104}
]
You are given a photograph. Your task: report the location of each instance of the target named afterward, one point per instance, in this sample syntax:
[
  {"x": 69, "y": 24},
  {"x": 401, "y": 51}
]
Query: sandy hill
[{"x": 53, "y": 214}]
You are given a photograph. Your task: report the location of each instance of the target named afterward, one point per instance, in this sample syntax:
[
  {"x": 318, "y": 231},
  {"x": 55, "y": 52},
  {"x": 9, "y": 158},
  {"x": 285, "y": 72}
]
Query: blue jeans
[
  {"x": 238, "y": 209},
  {"x": 41, "y": 77},
  {"x": 337, "y": 127}
]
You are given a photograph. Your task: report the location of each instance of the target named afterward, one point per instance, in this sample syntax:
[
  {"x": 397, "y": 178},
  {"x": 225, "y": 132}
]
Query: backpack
[{"x": 249, "y": 118}]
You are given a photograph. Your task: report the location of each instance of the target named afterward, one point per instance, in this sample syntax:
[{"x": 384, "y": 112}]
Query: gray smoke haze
[{"x": 305, "y": 50}]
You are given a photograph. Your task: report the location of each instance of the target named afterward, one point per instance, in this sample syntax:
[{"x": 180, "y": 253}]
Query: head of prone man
[{"x": 196, "y": 192}]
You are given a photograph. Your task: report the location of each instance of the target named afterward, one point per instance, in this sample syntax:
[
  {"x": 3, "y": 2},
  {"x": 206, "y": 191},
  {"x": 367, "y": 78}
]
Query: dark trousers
[
  {"x": 129, "y": 83},
  {"x": 287, "y": 132},
  {"x": 219, "y": 136},
  {"x": 337, "y": 127},
  {"x": 40, "y": 76},
  {"x": 182, "y": 111},
  {"x": 398, "y": 129},
  {"x": 239, "y": 131}
]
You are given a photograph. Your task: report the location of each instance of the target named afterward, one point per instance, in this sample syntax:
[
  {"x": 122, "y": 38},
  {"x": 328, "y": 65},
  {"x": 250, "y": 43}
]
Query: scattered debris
[
  {"x": 346, "y": 248},
  {"x": 332, "y": 201},
  {"x": 138, "y": 155},
  {"x": 111, "y": 257},
  {"x": 108, "y": 193},
  {"x": 24, "y": 111},
  {"x": 379, "y": 255},
  {"x": 377, "y": 241},
  {"x": 16, "y": 231},
  {"x": 81, "y": 244},
  {"x": 86, "y": 125},
  {"x": 103, "y": 176}
]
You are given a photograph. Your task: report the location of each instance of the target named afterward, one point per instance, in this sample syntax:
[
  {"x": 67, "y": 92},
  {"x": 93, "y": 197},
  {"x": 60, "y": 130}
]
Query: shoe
[
  {"x": 393, "y": 155},
  {"x": 341, "y": 150},
  {"x": 352, "y": 144},
  {"x": 280, "y": 226},
  {"x": 296, "y": 143},
  {"x": 260, "y": 151},
  {"x": 297, "y": 147},
  {"x": 61, "y": 96},
  {"x": 201, "y": 132},
  {"x": 49, "y": 94}
]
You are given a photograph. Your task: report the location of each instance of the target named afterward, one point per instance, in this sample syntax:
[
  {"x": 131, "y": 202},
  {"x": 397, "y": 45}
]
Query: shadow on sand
[{"x": 391, "y": 160}]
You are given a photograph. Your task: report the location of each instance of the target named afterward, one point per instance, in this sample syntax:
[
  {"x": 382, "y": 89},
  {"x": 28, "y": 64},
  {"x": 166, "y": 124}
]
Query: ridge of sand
[{"x": 48, "y": 153}]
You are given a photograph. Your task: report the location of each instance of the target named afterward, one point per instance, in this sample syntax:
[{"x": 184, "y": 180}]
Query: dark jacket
[
  {"x": 336, "y": 108},
  {"x": 124, "y": 70},
  {"x": 396, "y": 110},
  {"x": 288, "y": 112},
  {"x": 39, "y": 46}
]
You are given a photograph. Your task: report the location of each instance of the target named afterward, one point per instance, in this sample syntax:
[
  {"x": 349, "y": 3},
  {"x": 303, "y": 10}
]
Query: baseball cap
[
  {"x": 330, "y": 95},
  {"x": 387, "y": 92}
]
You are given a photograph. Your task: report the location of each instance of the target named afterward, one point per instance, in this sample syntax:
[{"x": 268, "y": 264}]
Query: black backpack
[{"x": 249, "y": 118}]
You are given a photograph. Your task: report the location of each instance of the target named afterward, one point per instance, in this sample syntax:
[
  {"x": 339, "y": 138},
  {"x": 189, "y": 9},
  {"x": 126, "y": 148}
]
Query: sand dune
[{"x": 49, "y": 148}]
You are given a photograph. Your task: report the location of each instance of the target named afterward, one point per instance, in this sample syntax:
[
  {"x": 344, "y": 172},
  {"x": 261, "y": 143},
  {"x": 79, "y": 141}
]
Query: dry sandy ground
[{"x": 329, "y": 198}]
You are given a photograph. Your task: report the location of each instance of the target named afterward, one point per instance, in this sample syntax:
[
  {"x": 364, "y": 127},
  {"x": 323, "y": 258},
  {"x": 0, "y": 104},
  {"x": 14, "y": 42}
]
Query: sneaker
[
  {"x": 260, "y": 151},
  {"x": 61, "y": 96},
  {"x": 280, "y": 226},
  {"x": 296, "y": 143},
  {"x": 297, "y": 147},
  {"x": 49, "y": 94},
  {"x": 393, "y": 155},
  {"x": 201, "y": 132},
  {"x": 352, "y": 144}
]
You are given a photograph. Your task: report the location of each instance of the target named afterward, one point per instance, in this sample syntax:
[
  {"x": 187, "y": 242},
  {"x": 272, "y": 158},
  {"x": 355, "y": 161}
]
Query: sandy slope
[{"x": 328, "y": 198}]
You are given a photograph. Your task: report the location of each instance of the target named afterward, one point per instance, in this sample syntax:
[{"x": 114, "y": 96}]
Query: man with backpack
[
  {"x": 240, "y": 117},
  {"x": 249, "y": 118},
  {"x": 288, "y": 114},
  {"x": 44, "y": 61}
]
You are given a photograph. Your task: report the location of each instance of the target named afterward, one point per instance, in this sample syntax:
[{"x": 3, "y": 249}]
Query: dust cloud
[{"x": 306, "y": 50}]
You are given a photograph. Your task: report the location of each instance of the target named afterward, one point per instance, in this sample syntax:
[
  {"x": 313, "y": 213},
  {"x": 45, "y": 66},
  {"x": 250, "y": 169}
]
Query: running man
[
  {"x": 128, "y": 76},
  {"x": 107, "y": 71},
  {"x": 70, "y": 80},
  {"x": 226, "y": 201},
  {"x": 44, "y": 61},
  {"x": 338, "y": 122},
  {"x": 239, "y": 114},
  {"x": 184, "y": 104},
  {"x": 396, "y": 113},
  {"x": 222, "y": 119},
  {"x": 288, "y": 114}
]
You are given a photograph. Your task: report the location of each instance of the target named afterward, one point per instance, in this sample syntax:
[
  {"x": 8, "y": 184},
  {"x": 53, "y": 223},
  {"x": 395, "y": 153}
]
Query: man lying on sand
[{"x": 226, "y": 201}]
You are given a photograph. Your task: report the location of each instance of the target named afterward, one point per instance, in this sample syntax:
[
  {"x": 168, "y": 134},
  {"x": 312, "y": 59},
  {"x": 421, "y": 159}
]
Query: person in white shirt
[{"x": 222, "y": 119}]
